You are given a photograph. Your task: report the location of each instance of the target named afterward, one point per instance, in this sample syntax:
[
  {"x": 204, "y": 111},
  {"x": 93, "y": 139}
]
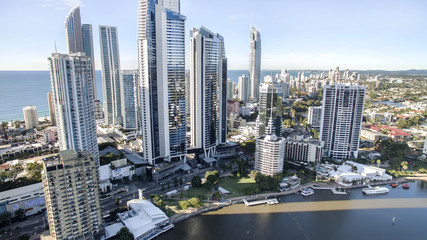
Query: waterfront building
[
  {"x": 269, "y": 152},
  {"x": 79, "y": 38},
  {"x": 70, "y": 184},
  {"x": 206, "y": 90},
  {"x": 268, "y": 100},
  {"x": 111, "y": 75},
  {"x": 71, "y": 80},
  {"x": 161, "y": 63},
  {"x": 243, "y": 88},
  {"x": 314, "y": 116},
  {"x": 128, "y": 99},
  {"x": 307, "y": 150},
  {"x": 51, "y": 108},
  {"x": 143, "y": 219},
  {"x": 254, "y": 62},
  {"x": 31, "y": 118},
  {"x": 342, "y": 113}
]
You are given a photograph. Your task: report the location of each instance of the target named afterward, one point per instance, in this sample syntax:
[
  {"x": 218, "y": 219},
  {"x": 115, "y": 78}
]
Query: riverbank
[{"x": 214, "y": 206}]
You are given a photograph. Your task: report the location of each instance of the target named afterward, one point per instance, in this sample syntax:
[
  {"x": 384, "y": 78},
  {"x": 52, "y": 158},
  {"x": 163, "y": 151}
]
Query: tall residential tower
[
  {"x": 161, "y": 65},
  {"x": 206, "y": 90},
  {"x": 254, "y": 62},
  {"x": 342, "y": 113}
]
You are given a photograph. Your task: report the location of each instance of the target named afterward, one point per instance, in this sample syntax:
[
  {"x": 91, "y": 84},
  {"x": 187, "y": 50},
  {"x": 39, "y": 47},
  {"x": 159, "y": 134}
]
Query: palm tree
[
  {"x": 378, "y": 162},
  {"x": 3, "y": 127},
  {"x": 404, "y": 165}
]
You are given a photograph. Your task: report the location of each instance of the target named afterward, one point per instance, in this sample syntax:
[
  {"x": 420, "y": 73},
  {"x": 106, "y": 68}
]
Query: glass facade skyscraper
[
  {"x": 254, "y": 63},
  {"x": 161, "y": 65},
  {"x": 111, "y": 74},
  {"x": 129, "y": 96}
]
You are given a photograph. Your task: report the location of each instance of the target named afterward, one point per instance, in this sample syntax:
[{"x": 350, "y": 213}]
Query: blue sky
[{"x": 296, "y": 34}]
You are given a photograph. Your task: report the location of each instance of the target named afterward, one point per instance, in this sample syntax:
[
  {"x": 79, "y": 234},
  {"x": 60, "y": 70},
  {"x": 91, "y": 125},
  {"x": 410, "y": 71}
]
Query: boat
[
  {"x": 375, "y": 190},
  {"x": 394, "y": 185},
  {"x": 307, "y": 192},
  {"x": 406, "y": 186}
]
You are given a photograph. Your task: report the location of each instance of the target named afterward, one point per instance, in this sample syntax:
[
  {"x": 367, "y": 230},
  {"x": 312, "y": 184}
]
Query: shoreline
[{"x": 214, "y": 206}]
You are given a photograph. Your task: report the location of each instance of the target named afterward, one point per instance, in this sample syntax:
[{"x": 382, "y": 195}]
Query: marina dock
[
  {"x": 334, "y": 190},
  {"x": 259, "y": 202}
]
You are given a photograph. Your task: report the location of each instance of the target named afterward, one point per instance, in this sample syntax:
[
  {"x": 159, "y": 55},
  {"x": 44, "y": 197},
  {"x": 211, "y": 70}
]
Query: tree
[
  {"x": 117, "y": 201},
  {"x": 184, "y": 204},
  {"x": 195, "y": 202},
  {"x": 249, "y": 146},
  {"x": 124, "y": 234},
  {"x": 401, "y": 123},
  {"x": 212, "y": 176},
  {"x": 404, "y": 165},
  {"x": 17, "y": 124},
  {"x": 175, "y": 182},
  {"x": 378, "y": 162},
  {"x": 3, "y": 127},
  {"x": 196, "y": 181},
  {"x": 181, "y": 181},
  {"x": 169, "y": 184}
]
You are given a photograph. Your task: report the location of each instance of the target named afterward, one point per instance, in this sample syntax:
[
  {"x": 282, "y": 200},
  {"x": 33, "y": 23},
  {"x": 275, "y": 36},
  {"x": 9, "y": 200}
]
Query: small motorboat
[
  {"x": 307, "y": 192},
  {"x": 406, "y": 186},
  {"x": 394, "y": 185}
]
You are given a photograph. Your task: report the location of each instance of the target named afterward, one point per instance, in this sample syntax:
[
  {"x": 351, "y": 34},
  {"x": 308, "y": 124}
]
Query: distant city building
[
  {"x": 51, "y": 108},
  {"x": 206, "y": 81},
  {"x": 129, "y": 100},
  {"x": 243, "y": 88},
  {"x": 314, "y": 116},
  {"x": 306, "y": 150},
  {"x": 99, "y": 113},
  {"x": 70, "y": 184},
  {"x": 254, "y": 62},
  {"x": 425, "y": 146},
  {"x": 111, "y": 75},
  {"x": 71, "y": 80},
  {"x": 269, "y": 153},
  {"x": 268, "y": 101},
  {"x": 230, "y": 89},
  {"x": 79, "y": 38},
  {"x": 342, "y": 113},
  {"x": 161, "y": 62},
  {"x": 31, "y": 118}
]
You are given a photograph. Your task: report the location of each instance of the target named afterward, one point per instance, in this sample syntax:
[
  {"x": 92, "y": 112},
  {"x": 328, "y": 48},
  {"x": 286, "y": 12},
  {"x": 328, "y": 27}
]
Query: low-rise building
[
  {"x": 143, "y": 219},
  {"x": 28, "y": 198},
  {"x": 306, "y": 150}
]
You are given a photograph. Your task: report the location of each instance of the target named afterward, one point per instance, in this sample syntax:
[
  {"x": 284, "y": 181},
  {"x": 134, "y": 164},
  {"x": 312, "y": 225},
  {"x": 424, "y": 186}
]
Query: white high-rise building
[
  {"x": 270, "y": 152},
  {"x": 254, "y": 62},
  {"x": 31, "y": 118},
  {"x": 111, "y": 75},
  {"x": 230, "y": 89},
  {"x": 79, "y": 38},
  {"x": 71, "y": 79},
  {"x": 161, "y": 64},
  {"x": 51, "y": 109},
  {"x": 243, "y": 88},
  {"x": 342, "y": 113},
  {"x": 206, "y": 86},
  {"x": 314, "y": 116}
]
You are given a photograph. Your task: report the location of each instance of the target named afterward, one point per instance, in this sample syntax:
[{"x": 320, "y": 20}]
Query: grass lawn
[
  {"x": 199, "y": 192},
  {"x": 236, "y": 185}
]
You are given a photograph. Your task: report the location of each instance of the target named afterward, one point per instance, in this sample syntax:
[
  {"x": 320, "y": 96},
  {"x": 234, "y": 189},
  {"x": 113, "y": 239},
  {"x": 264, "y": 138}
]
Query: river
[{"x": 320, "y": 216}]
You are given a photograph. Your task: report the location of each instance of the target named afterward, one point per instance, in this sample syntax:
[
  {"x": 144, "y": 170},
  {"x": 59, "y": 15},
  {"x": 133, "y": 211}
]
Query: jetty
[
  {"x": 259, "y": 202},
  {"x": 334, "y": 190}
]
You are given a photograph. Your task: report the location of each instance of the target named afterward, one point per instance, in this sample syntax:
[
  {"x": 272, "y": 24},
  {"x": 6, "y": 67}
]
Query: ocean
[{"x": 21, "y": 88}]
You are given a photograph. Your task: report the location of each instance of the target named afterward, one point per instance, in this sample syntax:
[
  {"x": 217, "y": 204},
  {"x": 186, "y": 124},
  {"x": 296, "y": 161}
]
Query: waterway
[{"x": 320, "y": 216}]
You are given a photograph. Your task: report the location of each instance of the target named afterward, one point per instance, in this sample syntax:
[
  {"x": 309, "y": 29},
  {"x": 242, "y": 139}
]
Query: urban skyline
[{"x": 359, "y": 43}]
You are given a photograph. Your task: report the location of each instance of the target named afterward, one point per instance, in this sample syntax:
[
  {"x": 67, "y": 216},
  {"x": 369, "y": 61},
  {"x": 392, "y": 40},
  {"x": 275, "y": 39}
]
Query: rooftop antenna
[{"x": 252, "y": 18}]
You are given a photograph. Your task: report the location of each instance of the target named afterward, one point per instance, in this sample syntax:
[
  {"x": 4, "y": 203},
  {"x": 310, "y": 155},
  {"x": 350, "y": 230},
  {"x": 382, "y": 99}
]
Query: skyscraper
[
  {"x": 70, "y": 185},
  {"x": 73, "y": 31},
  {"x": 87, "y": 37},
  {"x": 161, "y": 65},
  {"x": 111, "y": 74},
  {"x": 342, "y": 113},
  {"x": 51, "y": 108},
  {"x": 243, "y": 88},
  {"x": 71, "y": 79},
  {"x": 230, "y": 89},
  {"x": 128, "y": 99},
  {"x": 79, "y": 38},
  {"x": 206, "y": 89},
  {"x": 267, "y": 108},
  {"x": 30, "y": 117},
  {"x": 254, "y": 62},
  {"x": 314, "y": 116}
]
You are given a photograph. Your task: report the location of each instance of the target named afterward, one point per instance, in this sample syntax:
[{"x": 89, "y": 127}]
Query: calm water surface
[{"x": 411, "y": 223}]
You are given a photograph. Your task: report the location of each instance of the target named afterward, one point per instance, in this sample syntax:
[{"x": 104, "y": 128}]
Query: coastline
[{"x": 214, "y": 206}]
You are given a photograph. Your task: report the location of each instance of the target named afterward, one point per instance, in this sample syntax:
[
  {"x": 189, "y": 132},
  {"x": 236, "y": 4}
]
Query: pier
[
  {"x": 265, "y": 201},
  {"x": 334, "y": 190}
]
